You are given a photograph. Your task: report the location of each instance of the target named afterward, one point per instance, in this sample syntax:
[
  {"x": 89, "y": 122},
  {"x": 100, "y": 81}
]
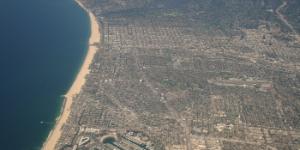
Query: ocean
[{"x": 42, "y": 46}]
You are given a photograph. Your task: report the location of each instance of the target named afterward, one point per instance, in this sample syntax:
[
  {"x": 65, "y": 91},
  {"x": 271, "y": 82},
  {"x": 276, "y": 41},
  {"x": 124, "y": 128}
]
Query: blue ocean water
[{"x": 42, "y": 45}]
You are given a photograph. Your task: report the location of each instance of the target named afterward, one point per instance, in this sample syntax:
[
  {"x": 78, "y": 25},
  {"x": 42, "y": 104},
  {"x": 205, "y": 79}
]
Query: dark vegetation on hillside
[
  {"x": 293, "y": 13},
  {"x": 224, "y": 15}
]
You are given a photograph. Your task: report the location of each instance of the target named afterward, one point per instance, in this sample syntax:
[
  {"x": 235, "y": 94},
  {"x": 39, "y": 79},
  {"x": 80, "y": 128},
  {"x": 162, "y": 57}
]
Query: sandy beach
[{"x": 77, "y": 85}]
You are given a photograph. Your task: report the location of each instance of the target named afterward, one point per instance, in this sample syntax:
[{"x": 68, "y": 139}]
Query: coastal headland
[{"x": 77, "y": 84}]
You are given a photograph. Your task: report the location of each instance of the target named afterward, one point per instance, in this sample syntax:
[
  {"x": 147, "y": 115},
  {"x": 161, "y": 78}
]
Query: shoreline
[{"x": 78, "y": 83}]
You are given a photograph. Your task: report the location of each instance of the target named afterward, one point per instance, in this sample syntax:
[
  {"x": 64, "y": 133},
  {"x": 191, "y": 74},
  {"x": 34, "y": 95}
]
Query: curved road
[{"x": 282, "y": 17}]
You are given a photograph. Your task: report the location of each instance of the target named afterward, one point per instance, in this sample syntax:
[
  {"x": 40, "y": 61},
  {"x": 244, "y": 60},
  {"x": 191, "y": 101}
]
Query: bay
[{"x": 42, "y": 45}]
